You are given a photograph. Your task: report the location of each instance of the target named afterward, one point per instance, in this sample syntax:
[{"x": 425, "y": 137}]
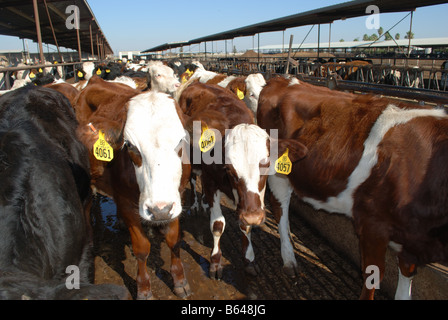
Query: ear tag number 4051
[
  {"x": 283, "y": 164},
  {"x": 102, "y": 150}
]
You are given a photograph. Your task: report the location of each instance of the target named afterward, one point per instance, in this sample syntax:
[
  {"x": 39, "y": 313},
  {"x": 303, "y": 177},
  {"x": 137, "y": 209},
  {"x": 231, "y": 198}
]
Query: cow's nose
[
  {"x": 253, "y": 218},
  {"x": 160, "y": 211}
]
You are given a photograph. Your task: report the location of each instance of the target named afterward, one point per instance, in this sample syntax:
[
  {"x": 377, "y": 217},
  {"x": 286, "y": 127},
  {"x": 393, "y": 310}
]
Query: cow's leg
[
  {"x": 198, "y": 202},
  {"x": 140, "y": 245},
  {"x": 217, "y": 226},
  {"x": 406, "y": 273},
  {"x": 373, "y": 245},
  {"x": 194, "y": 194},
  {"x": 172, "y": 237},
  {"x": 281, "y": 191},
  {"x": 248, "y": 251}
]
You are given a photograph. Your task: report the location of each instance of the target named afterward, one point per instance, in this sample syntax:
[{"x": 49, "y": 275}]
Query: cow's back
[
  {"x": 333, "y": 126},
  {"x": 43, "y": 166},
  {"x": 411, "y": 177},
  {"x": 217, "y": 106}
]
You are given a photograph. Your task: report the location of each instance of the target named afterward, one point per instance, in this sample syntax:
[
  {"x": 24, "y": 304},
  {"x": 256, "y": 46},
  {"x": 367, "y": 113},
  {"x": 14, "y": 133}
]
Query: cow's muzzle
[
  {"x": 159, "y": 212},
  {"x": 252, "y": 218}
]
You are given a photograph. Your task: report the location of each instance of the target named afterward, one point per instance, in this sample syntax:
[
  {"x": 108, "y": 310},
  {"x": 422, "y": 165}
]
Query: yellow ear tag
[
  {"x": 207, "y": 140},
  {"x": 184, "y": 79},
  {"x": 80, "y": 75},
  {"x": 98, "y": 72},
  {"x": 102, "y": 150},
  {"x": 189, "y": 72},
  {"x": 40, "y": 70},
  {"x": 32, "y": 75},
  {"x": 240, "y": 94},
  {"x": 107, "y": 70},
  {"x": 283, "y": 165}
]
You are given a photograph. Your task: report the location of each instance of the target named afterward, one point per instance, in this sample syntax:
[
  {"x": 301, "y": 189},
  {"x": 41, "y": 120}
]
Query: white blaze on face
[
  {"x": 163, "y": 78},
  {"x": 154, "y": 128},
  {"x": 88, "y": 68},
  {"x": 246, "y": 147},
  {"x": 254, "y": 84}
]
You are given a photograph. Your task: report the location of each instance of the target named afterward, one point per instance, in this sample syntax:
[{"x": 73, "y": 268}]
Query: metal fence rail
[
  {"x": 404, "y": 76},
  {"x": 8, "y": 70}
]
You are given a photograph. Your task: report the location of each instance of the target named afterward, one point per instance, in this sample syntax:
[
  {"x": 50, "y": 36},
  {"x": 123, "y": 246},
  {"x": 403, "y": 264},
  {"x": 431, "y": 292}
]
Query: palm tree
[{"x": 409, "y": 35}]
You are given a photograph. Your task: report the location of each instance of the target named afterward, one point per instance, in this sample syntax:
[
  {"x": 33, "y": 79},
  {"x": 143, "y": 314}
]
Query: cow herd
[{"x": 142, "y": 134}]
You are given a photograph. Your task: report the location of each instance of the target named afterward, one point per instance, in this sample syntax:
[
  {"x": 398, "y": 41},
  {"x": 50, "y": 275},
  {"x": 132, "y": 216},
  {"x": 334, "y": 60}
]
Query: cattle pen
[{"x": 324, "y": 244}]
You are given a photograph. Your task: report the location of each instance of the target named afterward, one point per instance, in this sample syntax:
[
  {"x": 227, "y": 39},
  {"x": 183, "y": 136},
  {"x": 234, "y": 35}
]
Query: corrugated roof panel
[{"x": 17, "y": 19}]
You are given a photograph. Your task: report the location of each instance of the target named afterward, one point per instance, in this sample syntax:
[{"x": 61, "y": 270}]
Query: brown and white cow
[
  {"x": 69, "y": 91},
  {"x": 380, "y": 162},
  {"x": 146, "y": 175},
  {"x": 248, "y": 89},
  {"x": 237, "y": 166},
  {"x": 162, "y": 78}
]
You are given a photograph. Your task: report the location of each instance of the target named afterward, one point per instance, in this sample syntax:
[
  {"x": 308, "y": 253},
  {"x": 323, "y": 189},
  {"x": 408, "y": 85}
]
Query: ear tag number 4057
[
  {"x": 102, "y": 150},
  {"x": 283, "y": 164}
]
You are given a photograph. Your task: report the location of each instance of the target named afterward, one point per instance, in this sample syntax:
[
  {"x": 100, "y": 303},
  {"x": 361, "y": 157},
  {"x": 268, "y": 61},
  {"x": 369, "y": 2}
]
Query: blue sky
[{"x": 142, "y": 24}]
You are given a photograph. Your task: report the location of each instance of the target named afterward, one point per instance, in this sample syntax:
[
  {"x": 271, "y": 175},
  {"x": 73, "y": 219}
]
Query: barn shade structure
[
  {"x": 342, "y": 11},
  {"x": 44, "y": 21}
]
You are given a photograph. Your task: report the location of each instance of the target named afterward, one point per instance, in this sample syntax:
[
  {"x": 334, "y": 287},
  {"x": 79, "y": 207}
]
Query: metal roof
[
  {"x": 323, "y": 15},
  {"x": 17, "y": 19}
]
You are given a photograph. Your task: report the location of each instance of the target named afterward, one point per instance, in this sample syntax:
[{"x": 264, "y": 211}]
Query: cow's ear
[
  {"x": 113, "y": 131},
  {"x": 296, "y": 150},
  {"x": 194, "y": 127},
  {"x": 114, "y": 134}
]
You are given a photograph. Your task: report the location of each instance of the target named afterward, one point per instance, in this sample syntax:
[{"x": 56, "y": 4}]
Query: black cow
[{"x": 45, "y": 195}]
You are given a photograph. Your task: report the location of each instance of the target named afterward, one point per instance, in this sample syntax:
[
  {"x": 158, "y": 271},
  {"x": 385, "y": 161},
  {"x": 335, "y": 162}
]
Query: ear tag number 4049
[
  {"x": 207, "y": 140},
  {"x": 102, "y": 150},
  {"x": 283, "y": 164}
]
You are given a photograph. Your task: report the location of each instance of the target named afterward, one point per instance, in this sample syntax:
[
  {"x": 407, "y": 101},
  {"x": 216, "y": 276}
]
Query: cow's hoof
[
  {"x": 145, "y": 295},
  {"x": 182, "y": 290},
  {"x": 215, "y": 271},
  {"x": 290, "y": 269},
  {"x": 252, "y": 268}
]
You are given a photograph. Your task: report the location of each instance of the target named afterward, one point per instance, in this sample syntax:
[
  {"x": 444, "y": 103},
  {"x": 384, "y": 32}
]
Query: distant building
[{"x": 130, "y": 55}]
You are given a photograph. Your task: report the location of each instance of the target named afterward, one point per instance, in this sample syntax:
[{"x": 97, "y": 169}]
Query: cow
[
  {"x": 69, "y": 91},
  {"x": 44, "y": 201},
  {"x": 85, "y": 71},
  {"x": 162, "y": 78},
  {"x": 146, "y": 176},
  {"x": 248, "y": 89},
  {"x": 375, "y": 160},
  {"x": 159, "y": 77},
  {"x": 240, "y": 162}
]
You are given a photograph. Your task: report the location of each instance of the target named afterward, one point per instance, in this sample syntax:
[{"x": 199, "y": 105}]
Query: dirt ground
[{"x": 324, "y": 274}]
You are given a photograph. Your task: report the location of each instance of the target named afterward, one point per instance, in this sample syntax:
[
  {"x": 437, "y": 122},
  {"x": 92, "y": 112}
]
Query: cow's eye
[{"x": 134, "y": 154}]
